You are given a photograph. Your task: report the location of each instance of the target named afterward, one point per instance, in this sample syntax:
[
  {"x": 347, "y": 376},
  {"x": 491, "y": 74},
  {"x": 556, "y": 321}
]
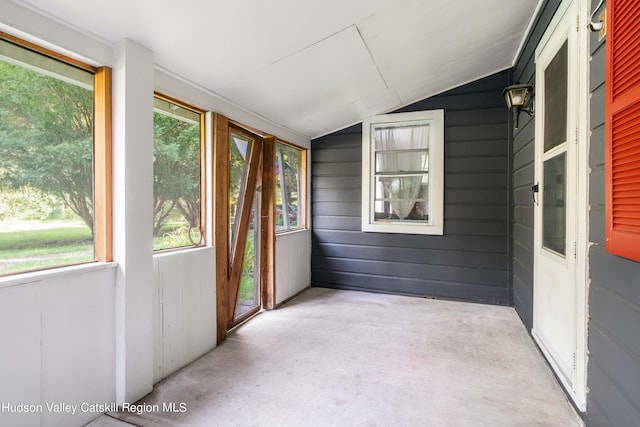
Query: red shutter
[{"x": 622, "y": 162}]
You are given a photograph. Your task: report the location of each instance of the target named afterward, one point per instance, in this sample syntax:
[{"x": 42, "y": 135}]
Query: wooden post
[{"x": 221, "y": 219}]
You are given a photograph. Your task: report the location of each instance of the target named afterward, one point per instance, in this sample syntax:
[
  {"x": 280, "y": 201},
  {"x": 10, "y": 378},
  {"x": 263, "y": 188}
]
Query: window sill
[
  {"x": 19, "y": 279},
  {"x": 178, "y": 251},
  {"x": 397, "y": 228},
  {"x": 284, "y": 233}
]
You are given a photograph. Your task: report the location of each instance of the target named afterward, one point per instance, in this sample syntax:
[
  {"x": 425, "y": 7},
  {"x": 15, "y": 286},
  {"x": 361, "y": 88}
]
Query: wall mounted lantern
[{"x": 519, "y": 98}]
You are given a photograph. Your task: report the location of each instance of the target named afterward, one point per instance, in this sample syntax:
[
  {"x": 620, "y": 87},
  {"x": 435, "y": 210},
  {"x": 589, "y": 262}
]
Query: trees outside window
[
  {"x": 47, "y": 122},
  {"x": 289, "y": 188},
  {"x": 177, "y": 175}
]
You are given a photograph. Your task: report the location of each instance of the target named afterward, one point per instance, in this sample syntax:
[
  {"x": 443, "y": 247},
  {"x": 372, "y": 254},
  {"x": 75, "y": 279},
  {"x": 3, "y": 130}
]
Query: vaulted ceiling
[{"x": 314, "y": 66}]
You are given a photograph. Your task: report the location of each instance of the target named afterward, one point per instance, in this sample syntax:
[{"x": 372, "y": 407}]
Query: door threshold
[{"x": 245, "y": 320}]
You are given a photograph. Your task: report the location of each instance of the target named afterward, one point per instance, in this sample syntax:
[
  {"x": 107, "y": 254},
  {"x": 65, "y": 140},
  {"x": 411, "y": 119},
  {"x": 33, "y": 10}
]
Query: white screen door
[{"x": 557, "y": 317}]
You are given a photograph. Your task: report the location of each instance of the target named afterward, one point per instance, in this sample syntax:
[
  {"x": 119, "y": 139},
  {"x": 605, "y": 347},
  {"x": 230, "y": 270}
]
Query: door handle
[{"x": 534, "y": 190}]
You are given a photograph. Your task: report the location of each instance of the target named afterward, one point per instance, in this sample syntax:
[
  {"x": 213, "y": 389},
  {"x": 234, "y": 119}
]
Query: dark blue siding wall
[
  {"x": 471, "y": 260},
  {"x": 614, "y": 296},
  {"x": 523, "y": 173}
]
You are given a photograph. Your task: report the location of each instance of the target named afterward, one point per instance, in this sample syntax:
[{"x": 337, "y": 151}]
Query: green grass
[
  {"x": 172, "y": 236},
  {"x": 26, "y": 250},
  {"x": 59, "y": 236},
  {"x": 245, "y": 293},
  {"x": 38, "y": 264},
  {"x": 42, "y": 251}
]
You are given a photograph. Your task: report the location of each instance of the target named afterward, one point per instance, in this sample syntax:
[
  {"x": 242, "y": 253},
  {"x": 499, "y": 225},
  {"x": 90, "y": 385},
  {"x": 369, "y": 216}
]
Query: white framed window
[{"x": 403, "y": 173}]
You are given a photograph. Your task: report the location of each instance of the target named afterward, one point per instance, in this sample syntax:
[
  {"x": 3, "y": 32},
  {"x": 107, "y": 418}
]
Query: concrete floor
[{"x": 340, "y": 358}]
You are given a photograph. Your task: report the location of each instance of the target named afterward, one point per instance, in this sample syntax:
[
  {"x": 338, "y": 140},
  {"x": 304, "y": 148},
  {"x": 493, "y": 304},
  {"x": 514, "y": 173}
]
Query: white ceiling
[{"x": 314, "y": 66}]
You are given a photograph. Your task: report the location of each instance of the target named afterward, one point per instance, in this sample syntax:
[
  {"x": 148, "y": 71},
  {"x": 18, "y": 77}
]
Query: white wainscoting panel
[
  {"x": 186, "y": 316},
  {"x": 20, "y": 358},
  {"x": 293, "y": 264},
  {"x": 58, "y": 343},
  {"x": 78, "y": 344}
]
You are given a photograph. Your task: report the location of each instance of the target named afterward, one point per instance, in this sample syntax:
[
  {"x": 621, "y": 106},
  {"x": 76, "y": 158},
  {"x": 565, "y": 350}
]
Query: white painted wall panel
[
  {"x": 207, "y": 325},
  {"x": 293, "y": 264},
  {"x": 185, "y": 282},
  {"x": 191, "y": 305},
  {"x": 171, "y": 283},
  {"x": 78, "y": 343},
  {"x": 58, "y": 343},
  {"x": 157, "y": 324},
  {"x": 20, "y": 320}
]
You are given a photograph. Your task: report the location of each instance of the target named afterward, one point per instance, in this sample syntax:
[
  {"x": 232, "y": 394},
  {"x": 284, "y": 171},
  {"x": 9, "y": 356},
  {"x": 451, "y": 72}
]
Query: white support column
[{"x": 133, "y": 86}]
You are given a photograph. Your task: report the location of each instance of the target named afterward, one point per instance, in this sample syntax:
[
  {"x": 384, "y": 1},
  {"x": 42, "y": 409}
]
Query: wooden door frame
[
  {"x": 245, "y": 203},
  {"x": 268, "y": 223},
  {"x": 228, "y": 276}
]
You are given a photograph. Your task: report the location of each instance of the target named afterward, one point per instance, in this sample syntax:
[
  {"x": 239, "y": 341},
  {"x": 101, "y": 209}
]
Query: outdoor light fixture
[{"x": 519, "y": 98}]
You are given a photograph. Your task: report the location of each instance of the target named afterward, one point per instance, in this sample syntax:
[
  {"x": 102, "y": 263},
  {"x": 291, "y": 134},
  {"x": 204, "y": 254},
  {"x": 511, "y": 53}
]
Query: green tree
[
  {"x": 46, "y": 137},
  {"x": 176, "y": 170},
  {"x": 239, "y": 150},
  {"x": 46, "y": 143}
]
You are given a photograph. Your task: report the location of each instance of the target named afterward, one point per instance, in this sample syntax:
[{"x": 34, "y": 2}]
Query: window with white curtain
[{"x": 402, "y": 173}]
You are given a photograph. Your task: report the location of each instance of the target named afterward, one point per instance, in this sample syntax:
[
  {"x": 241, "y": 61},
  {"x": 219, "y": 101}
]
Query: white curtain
[{"x": 402, "y": 191}]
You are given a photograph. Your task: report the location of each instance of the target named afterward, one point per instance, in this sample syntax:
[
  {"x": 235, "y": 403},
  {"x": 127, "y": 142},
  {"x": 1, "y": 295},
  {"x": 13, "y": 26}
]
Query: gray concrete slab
[
  {"x": 341, "y": 358},
  {"x": 108, "y": 421}
]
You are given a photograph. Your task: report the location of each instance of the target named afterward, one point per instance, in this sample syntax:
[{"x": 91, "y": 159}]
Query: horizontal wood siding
[
  {"x": 614, "y": 291},
  {"x": 523, "y": 174},
  {"x": 471, "y": 260}
]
